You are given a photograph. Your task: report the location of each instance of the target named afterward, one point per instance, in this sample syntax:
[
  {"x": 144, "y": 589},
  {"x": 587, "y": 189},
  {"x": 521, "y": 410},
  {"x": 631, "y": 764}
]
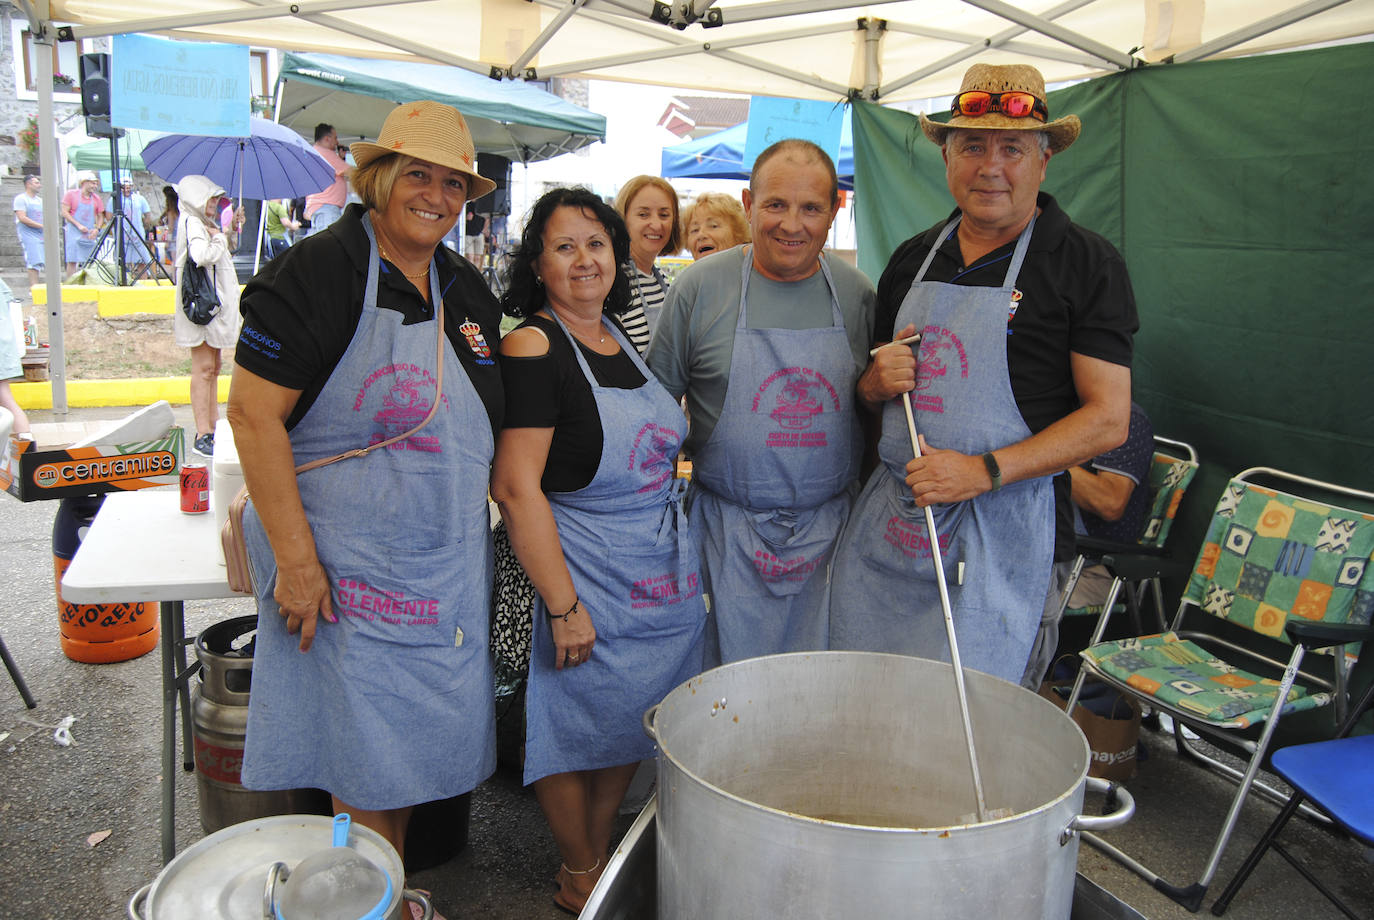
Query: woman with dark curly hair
[{"x": 583, "y": 475}]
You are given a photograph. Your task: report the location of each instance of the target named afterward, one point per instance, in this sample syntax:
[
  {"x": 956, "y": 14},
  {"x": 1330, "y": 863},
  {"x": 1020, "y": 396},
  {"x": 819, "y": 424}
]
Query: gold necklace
[{"x": 386, "y": 255}]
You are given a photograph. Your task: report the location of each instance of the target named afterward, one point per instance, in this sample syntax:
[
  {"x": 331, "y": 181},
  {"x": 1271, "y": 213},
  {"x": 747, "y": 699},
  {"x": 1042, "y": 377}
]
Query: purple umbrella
[{"x": 272, "y": 162}]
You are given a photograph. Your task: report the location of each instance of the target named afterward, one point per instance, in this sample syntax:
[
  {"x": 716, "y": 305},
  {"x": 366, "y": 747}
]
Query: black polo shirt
[
  {"x": 1075, "y": 297},
  {"x": 301, "y": 310}
]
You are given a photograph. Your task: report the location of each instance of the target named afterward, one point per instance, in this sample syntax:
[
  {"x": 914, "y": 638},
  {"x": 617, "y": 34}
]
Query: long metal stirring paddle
[{"x": 945, "y": 604}]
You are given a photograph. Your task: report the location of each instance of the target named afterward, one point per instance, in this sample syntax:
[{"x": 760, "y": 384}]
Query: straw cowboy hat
[
  {"x": 429, "y": 131},
  {"x": 1006, "y": 78}
]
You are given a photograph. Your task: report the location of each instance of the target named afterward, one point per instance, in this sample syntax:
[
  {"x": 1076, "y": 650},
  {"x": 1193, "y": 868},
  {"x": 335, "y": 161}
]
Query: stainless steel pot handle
[
  {"x": 416, "y": 897},
  {"x": 277, "y": 872},
  {"x": 137, "y": 901},
  {"x": 649, "y": 721},
  {"x": 1125, "y": 809}
]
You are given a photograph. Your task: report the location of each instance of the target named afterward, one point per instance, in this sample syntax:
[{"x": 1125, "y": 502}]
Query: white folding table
[{"x": 142, "y": 547}]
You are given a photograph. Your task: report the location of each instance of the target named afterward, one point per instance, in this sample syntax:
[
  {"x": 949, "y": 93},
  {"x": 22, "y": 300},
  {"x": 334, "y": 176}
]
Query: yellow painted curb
[
  {"x": 128, "y": 300},
  {"x": 93, "y": 393},
  {"x": 143, "y": 297}
]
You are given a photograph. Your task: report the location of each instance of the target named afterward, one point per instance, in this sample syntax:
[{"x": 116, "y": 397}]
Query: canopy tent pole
[
  {"x": 1255, "y": 30},
  {"x": 48, "y": 171},
  {"x": 1059, "y": 33},
  {"x": 1027, "y": 50},
  {"x": 873, "y": 29},
  {"x": 980, "y": 45},
  {"x": 302, "y": 9},
  {"x": 543, "y": 37},
  {"x": 659, "y": 54}
]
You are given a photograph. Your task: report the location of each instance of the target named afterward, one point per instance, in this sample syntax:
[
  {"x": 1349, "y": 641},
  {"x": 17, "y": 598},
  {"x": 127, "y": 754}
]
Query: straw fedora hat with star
[
  {"x": 429, "y": 131},
  {"x": 998, "y": 79}
]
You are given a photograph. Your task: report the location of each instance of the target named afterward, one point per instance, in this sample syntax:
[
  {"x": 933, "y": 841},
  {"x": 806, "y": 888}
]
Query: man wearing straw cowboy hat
[{"x": 1022, "y": 371}]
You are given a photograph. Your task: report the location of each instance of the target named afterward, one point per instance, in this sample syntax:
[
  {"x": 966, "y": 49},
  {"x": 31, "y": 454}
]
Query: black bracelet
[{"x": 564, "y": 616}]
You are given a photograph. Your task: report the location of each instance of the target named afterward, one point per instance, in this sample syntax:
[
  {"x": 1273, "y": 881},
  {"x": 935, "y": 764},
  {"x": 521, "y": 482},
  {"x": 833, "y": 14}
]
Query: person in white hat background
[
  {"x": 83, "y": 211},
  {"x": 1023, "y": 370},
  {"x": 372, "y": 674}
]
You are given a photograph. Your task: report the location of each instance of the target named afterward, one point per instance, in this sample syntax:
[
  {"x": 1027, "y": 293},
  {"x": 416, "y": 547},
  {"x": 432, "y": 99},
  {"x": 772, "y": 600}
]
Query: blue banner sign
[
  {"x": 180, "y": 87},
  {"x": 772, "y": 119}
]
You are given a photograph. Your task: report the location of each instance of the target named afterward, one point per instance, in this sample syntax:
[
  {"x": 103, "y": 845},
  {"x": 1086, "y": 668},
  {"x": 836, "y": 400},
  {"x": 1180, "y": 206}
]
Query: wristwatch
[{"x": 994, "y": 471}]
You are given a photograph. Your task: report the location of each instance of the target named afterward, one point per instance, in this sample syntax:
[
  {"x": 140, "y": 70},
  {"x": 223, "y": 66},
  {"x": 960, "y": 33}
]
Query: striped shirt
[{"x": 646, "y": 296}]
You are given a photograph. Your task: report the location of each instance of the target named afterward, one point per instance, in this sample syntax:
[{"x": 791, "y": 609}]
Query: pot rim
[
  {"x": 392, "y": 866},
  {"x": 1075, "y": 788}
]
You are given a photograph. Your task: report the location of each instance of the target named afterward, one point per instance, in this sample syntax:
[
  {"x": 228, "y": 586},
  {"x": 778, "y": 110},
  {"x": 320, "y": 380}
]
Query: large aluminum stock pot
[
  {"x": 837, "y": 784},
  {"x": 225, "y": 875}
]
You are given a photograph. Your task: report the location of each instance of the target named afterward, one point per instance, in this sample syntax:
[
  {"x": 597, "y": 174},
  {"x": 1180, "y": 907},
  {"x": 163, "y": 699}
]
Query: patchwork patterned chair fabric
[
  {"x": 1169, "y": 478},
  {"x": 1290, "y": 568}
]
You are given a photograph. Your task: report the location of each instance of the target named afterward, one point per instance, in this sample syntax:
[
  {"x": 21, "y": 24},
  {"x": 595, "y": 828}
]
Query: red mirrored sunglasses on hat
[{"x": 1014, "y": 105}]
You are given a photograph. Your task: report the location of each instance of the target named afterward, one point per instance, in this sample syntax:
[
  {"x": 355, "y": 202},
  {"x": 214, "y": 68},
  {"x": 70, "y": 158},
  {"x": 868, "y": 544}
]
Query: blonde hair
[
  {"x": 627, "y": 194},
  {"x": 726, "y": 207},
  {"x": 374, "y": 180}
]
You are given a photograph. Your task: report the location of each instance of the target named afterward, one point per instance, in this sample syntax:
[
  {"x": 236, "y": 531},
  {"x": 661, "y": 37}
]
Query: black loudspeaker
[
  {"x": 95, "y": 93},
  {"x": 95, "y": 84},
  {"x": 497, "y": 169}
]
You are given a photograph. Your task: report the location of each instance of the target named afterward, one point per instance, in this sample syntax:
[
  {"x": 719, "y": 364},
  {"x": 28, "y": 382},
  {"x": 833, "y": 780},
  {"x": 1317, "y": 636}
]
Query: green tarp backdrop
[{"x": 1237, "y": 192}]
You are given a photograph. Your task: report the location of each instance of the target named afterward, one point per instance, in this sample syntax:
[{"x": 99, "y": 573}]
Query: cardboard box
[{"x": 31, "y": 473}]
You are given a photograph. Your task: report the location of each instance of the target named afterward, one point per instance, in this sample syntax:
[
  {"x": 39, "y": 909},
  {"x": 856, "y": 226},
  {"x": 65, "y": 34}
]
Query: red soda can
[{"x": 195, "y": 488}]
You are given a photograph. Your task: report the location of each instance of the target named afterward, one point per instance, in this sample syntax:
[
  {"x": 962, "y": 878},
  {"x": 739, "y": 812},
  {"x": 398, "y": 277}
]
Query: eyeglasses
[{"x": 975, "y": 103}]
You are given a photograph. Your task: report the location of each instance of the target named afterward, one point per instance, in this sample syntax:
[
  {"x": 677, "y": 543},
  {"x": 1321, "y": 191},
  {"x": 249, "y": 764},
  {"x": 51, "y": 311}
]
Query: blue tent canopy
[{"x": 721, "y": 155}]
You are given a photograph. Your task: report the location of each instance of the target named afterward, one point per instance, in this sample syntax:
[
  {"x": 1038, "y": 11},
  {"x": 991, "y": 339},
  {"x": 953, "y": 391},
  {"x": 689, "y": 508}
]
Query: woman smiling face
[
  {"x": 577, "y": 265},
  {"x": 649, "y": 218},
  {"x": 425, "y": 202}
]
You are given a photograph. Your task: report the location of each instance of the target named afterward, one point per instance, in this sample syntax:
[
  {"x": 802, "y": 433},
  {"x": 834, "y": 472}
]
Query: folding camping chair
[
  {"x": 1274, "y": 566},
  {"x": 1137, "y": 567},
  {"x": 1336, "y": 776}
]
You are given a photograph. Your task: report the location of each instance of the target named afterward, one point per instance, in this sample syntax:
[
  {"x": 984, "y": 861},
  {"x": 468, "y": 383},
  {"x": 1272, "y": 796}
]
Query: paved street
[{"x": 55, "y": 797}]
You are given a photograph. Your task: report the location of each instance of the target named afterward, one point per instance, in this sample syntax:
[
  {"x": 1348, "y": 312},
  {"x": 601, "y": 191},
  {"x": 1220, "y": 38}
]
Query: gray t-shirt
[{"x": 695, "y": 337}]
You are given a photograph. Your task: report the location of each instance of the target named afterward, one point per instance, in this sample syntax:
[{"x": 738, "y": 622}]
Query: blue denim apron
[
  {"x": 884, "y": 595},
  {"x": 624, "y": 538},
  {"x": 772, "y": 485},
  {"x": 393, "y": 704},
  {"x": 79, "y": 248},
  {"x": 31, "y": 237}
]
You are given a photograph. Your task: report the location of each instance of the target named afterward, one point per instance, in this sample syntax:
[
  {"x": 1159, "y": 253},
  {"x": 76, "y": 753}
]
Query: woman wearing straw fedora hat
[
  {"x": 376, "y": 567},
  {"x": 1023, "y": 370}
]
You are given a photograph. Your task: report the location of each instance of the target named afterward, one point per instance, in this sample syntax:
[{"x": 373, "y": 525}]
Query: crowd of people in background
[{"x": 764, "y": 364}]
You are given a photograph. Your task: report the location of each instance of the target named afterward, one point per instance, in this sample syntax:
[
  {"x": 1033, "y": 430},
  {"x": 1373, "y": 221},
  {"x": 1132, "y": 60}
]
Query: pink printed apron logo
[
  {"x": 911, "y": 539},
  {"x": 653, "y": 453},
  {"x": 358, "y": 599},
  {"x": 663, "y": 590},
  {"x": 406, "y": 397},
  {"x": 940, "y": 353},
  {"x": 794, "y": 398},
  {"x": 775, "y": 570}
]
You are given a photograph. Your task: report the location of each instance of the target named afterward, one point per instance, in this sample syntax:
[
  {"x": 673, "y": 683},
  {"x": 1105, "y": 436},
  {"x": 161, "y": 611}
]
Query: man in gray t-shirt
[{"x": 766, "y": 341}]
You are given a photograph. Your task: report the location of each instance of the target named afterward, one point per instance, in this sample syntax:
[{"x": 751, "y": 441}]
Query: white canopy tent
[{"x": 819, "y": 49}]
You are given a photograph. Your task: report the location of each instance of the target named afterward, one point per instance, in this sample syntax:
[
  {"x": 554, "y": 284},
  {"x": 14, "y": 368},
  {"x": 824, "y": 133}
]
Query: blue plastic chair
[{"x": 1336, "y": 777}]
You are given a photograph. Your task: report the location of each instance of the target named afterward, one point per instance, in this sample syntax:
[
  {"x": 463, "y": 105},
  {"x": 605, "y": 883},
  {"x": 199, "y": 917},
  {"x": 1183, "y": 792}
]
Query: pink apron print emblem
[
  {"x": 355, "y": 598},
  {"x": 795, "y": 398},
  {"x": 653, "y": 454},
  {"x": 911, "y": 539},
  {"x": 663, "y": 590},
  {"x": 941, "y": 354},
  {"x": 405, "y": 401}
]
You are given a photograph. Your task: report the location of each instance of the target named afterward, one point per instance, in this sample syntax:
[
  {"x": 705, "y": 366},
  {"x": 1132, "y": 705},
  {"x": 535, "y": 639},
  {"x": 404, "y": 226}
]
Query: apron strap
[{"x": 1018, "y": 255}]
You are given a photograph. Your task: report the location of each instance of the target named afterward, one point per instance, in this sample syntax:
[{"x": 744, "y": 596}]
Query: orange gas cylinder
[{"x": 95, "y": 633}]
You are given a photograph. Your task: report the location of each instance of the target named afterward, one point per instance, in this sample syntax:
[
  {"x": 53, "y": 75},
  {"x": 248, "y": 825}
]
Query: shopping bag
[{"x": 1108, "y": 719}]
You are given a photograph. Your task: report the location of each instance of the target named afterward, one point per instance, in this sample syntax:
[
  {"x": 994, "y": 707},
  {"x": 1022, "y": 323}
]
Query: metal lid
[{"x": 223, "y": 876}]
